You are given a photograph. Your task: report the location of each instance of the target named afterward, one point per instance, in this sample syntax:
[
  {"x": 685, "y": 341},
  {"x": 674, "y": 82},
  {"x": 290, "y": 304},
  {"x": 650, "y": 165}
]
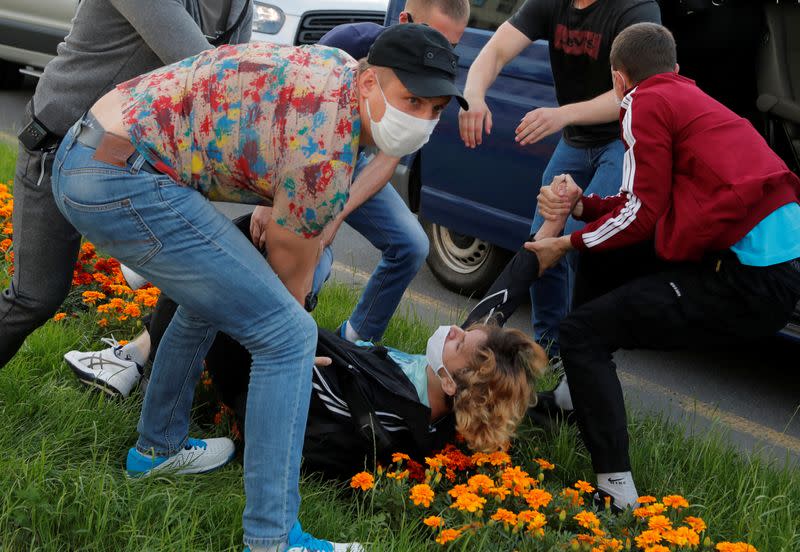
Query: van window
[{"x": 490, "y": 14}]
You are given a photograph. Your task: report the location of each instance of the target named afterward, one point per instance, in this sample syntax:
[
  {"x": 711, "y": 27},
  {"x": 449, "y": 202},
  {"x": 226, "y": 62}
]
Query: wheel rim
[{"x": 460, "y": 253}]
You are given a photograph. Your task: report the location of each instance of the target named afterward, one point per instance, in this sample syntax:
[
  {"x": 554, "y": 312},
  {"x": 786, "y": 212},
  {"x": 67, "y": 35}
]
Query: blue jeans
[
  {"x": 389, "y": 225},
  {"x": 174, "y": 237},
  {"x": 598, "y": 171}
]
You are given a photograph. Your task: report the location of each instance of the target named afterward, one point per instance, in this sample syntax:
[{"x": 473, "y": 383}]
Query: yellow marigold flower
[
  {"x": 538, "y": 498},
  {"x": 480, "y": 482},
  {"x": 400, "y": 456},
  {"x": 363, "y": 481},
  {"x": 399, "y": 476},
  {"x": 646, "y": 499},
  {"x": 675, "y": 501},
  {"x": 448, "y": 535},
  {"x": 458, "y": 490},
  {"x": 421, "y": 494},
  {"x": 587, "y": 519},
  {"x": 536, "y": 522},
  {"x": 659, "y": 523},
  {"x": 657, "y": 548},
  {"x": 682, "y": 536},
  {"x": 584, "y": 487},
  {"x": 60, "y": 316},
  {"x": 648, "y": 538},
  {"x": 506, "y": 516},
  {"x": 469, "y": 502},
  {"x": 573, "y": 496},
  {"x": 435, "y": 463},
  {"x": 695, "y": 523},
  {"x": 544, "y": 464},
  {"x": 433, "y": 521}
]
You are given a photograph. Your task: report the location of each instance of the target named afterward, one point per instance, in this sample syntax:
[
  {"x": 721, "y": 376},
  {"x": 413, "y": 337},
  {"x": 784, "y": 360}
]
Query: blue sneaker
[
  {"x": 303, "y": 542},
  {"x": 198, "y": 456}
]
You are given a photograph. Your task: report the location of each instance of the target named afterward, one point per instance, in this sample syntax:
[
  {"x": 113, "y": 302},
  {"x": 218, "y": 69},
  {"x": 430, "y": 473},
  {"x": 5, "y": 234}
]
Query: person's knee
[
  {"x": 40, "y": 306},
  {"x": 412, "y": 250}
]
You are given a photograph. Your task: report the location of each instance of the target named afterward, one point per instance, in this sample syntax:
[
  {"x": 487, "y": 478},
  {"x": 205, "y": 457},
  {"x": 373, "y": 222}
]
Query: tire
[
  {"x": 10, "y": 77},
  {"x": 462, "y": 263}
]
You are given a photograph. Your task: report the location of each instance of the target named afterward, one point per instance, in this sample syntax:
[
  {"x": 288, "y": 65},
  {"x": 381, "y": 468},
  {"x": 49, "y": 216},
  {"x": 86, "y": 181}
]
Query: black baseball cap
[{"x": 422, "y": 59}]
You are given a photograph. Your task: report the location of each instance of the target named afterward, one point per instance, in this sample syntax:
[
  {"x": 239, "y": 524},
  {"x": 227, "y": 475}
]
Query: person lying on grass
[{"x": 369, "y": 401}]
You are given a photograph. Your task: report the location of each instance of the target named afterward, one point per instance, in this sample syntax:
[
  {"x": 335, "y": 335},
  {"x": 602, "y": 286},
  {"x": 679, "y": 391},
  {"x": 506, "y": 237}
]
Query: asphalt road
[{"x": 752, "y": 391}]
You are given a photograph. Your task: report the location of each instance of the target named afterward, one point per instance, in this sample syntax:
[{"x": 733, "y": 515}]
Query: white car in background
[{"x": 30, "y": 30}]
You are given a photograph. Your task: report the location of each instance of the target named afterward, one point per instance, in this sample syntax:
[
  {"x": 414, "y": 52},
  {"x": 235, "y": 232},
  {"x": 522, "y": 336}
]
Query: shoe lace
[
  {"x": 111, "y": 342},
  {"x": 195, "y": 443}
]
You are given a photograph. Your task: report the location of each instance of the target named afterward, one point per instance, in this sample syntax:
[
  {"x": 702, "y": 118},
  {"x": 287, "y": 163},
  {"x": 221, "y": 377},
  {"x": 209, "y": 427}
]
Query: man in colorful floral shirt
[{"x": 257, "y": 123}]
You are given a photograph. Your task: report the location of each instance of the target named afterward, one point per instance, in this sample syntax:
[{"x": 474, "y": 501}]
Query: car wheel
[
  {"x": 10, "y": 77},
  {"x": 462, "y": 263}
]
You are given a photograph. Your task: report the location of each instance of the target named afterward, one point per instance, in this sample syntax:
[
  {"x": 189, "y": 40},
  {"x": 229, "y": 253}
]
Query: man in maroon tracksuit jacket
[{"x": 700, "y": 247}]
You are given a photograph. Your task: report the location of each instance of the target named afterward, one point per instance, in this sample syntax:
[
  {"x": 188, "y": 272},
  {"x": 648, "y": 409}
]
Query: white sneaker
[
  {"x": 135, "y": 281},
  {"x": 105, "y": 370},
  {"x": 198, "y": 456}
]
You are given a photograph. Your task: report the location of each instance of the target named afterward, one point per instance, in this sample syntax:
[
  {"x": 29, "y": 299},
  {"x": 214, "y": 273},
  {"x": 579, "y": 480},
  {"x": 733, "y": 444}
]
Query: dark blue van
[{"x": 476, "y": 205}]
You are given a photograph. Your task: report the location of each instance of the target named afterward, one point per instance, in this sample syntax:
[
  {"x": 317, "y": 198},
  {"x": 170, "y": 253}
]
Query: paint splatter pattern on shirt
[{"x": 256, "y": 123}]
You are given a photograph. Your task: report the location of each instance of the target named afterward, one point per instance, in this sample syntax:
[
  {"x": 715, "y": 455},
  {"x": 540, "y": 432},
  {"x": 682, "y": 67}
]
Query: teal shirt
[
  {"x": 774, "y": 240},
  {"x": 415, "y": 367}
]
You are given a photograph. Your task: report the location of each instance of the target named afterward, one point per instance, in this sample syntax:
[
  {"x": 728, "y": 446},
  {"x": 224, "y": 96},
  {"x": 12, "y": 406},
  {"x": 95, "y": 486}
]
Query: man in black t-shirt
[{"x": 580, "y": 33}]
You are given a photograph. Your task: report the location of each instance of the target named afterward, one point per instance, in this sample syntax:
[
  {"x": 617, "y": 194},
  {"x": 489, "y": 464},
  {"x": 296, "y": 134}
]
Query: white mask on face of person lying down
[{"x": 434, "y": 353}]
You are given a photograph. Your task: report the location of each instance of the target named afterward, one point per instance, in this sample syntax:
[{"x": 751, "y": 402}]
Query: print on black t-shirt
[{"x": 580, "y": 43}]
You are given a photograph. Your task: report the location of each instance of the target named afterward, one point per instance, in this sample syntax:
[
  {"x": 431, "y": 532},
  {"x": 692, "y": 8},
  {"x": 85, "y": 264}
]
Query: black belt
[{"x": 91, "y": 134}]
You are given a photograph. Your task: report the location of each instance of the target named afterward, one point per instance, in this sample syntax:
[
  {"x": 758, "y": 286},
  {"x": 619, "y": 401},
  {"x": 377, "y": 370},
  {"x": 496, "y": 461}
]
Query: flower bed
[{"x": 472, "y": 500}]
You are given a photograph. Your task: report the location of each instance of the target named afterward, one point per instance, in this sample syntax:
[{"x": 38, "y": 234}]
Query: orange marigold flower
[
  {"x": 536, "y": 522},
  {"x": 363, "y": 481},
  {"x": 400, "y": 456},
  {"x": 538, "y": 498},
  {"x": 735, "y": 547},
  {"x": 469, "y": 502},
  {"x": 506, "y": 516},
  {"x": 480, "y": 482},
  {"x": 399, "y": 476},
  {"x": 458, "y": 490},
  {"x": 544, "y": 464},
  {"x": 682, "y": 536},
  {"x": 516, "y": 479},
  {"x": 480, "y": 458},
  {"x": 87, "y": 248},
  {"x": 646, "y": 499},
  {"x": 103, "y": 322},
  {"x": 436, "y": 462},
  {"x": 433, "y": 521},
  {"x": 5, "y": 245},
  {"x": 500, "y": 493},
  {"x": 499, "y": 458},
  {"x": 8, "y": 229},
  {"x": 457, "y": 460},
  {"x": 648, "y": 538},
  {"x": 91, "y": 297},
  {"x": 60, "y": 316},
  {"x": 657, "y": 548},
  {"x": 584, "y": 487},
  {"x": 588, "y": 539},
  {"x": 675, "y": 501},
  {"x": 422, "y": 495},
  {"x": 448, "y": 535},
  {"x": 695, "y": 523},
  {"x": 120, "y": 289},
  {"x": 587, "y": 519},
  {"x": 652, "y": 510},
  {"x": 132, "y": 309},
  {"x": 659, "y": 523},
  {"x": 573, "y": 496}
]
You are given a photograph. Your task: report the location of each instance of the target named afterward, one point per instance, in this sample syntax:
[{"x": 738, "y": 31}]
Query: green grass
[
  {"x": 62, "y": 453},
  {"x": 8, "y": 156}
]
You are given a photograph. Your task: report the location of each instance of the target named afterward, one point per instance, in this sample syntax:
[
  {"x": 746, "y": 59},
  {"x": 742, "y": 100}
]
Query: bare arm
[
  {"x": 293, "y": 258},
  {"x": 506, "y": 43},
  {"x": 165, "y": 26},
  {"x": 544, "y": 121},
  {"x": 369, "y": 181}
]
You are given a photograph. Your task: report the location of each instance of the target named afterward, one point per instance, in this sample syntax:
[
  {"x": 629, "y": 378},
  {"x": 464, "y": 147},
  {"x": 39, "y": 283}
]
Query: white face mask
[
  {"x": 434, "y": 352},
  {"x": 398, "y": 133}
]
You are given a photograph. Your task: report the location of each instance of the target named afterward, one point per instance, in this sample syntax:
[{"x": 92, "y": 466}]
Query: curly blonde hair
[{"x": 494, "y": 391}]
